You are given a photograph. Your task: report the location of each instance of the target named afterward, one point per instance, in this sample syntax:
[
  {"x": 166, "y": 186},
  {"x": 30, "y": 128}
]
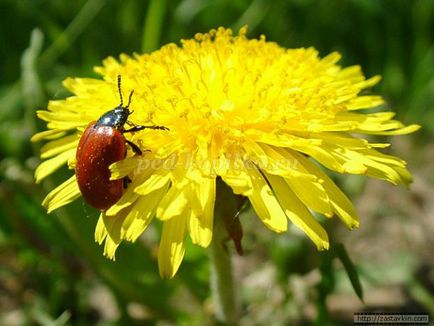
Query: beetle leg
[
  {"x": 134, "y": 147},
  {"x": 138, "y": 128}
]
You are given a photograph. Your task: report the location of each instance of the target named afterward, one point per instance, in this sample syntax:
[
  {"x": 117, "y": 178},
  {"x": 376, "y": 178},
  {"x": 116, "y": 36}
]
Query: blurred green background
[{"x": 52, "y": 272}]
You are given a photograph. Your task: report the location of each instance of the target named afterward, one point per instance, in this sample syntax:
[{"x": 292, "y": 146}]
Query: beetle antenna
[
  {"x": 129, "y": 99},
  {"x": 119, "y": 89}
]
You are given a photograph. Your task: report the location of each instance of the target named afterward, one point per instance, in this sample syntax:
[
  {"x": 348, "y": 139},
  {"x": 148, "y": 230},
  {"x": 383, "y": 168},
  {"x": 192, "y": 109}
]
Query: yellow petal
[
  {"x": 369, "y": 82},
  {"x": 71, "y": 163},
  {"x": 323, "y": 156},
  {"x": 49, "y": 166},
  {"x": 278, "y": 162},
  {"x": 331, "y": 58},
  {"x": 124, "y": 167},
  {"x": 297, "y": 212},
  {"x": 373, "y": 160},
  {"x": 141, "y": 214},
  {"x": 110, "y": 247},
  {"x": 400, "y": 131},
  {"x": 200, "y": 222},
  {"x": 265, "y": 203},
  {"x": 127, "y": 199},
  {"x": 341, "y": 139},
  {"x": 172, "y": 204},
  {"x": 62, "y": 120},
  {"x": 58, "y": 146},
  {"x": 312, "y": 194},
  {"x": 85, "y": 85},
  {"x": 155, "y": 181},
  {"x": 340, "y": 203},
  {"x": 350, "y": 161},
  {"x": 305, "y": 185},
  {"x": 172, "y": 246},
  {"x": 113, "y": 227},
  {"x": 100, "y": 230},
  {"x": 384, "y": 158},
  {"x": 363, "y": 102},
  {"x": 62, "y": 195},
  {"x": 239, "y": 180},
  {"x": 48, "y": 134},
  {"x": 285, "y": 140}
]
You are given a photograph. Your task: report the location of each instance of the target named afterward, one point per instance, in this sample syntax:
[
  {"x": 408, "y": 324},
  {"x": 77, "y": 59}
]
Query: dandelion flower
[{"x": 257, "y": 116}]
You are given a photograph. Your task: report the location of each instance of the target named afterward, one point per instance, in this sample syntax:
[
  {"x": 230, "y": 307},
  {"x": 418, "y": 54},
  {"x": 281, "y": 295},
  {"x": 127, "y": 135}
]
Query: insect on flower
[
  {"x": 244, "y": 113},
  {"x": 103, "y": 143}
]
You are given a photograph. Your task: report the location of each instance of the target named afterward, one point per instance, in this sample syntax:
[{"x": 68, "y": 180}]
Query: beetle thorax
[{"x": 115, "y": 118}]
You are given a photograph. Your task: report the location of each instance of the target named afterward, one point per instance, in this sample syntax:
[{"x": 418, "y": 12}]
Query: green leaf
[{"x": 350, "y": 268}]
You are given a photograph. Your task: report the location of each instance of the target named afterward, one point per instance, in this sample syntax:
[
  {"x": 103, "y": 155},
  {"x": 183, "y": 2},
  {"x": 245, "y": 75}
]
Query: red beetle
[{"x": 102, "y": 144}]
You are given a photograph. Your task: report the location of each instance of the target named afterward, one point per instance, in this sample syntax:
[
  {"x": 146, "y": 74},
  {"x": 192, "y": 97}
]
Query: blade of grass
[
  {"x": 350, "y": 268},
  {"x": 153, "y": 25},
  {"x": 32, "y": 92},
  {"x": 422, "y": 294},
  {"x": 80, "y": 22},
  {"x": 31, "y": 85},
  {"x": 252, "y": 16}
]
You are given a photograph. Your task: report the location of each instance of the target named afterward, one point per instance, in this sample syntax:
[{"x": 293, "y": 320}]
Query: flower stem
[{"x": 222, "y": 280}]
